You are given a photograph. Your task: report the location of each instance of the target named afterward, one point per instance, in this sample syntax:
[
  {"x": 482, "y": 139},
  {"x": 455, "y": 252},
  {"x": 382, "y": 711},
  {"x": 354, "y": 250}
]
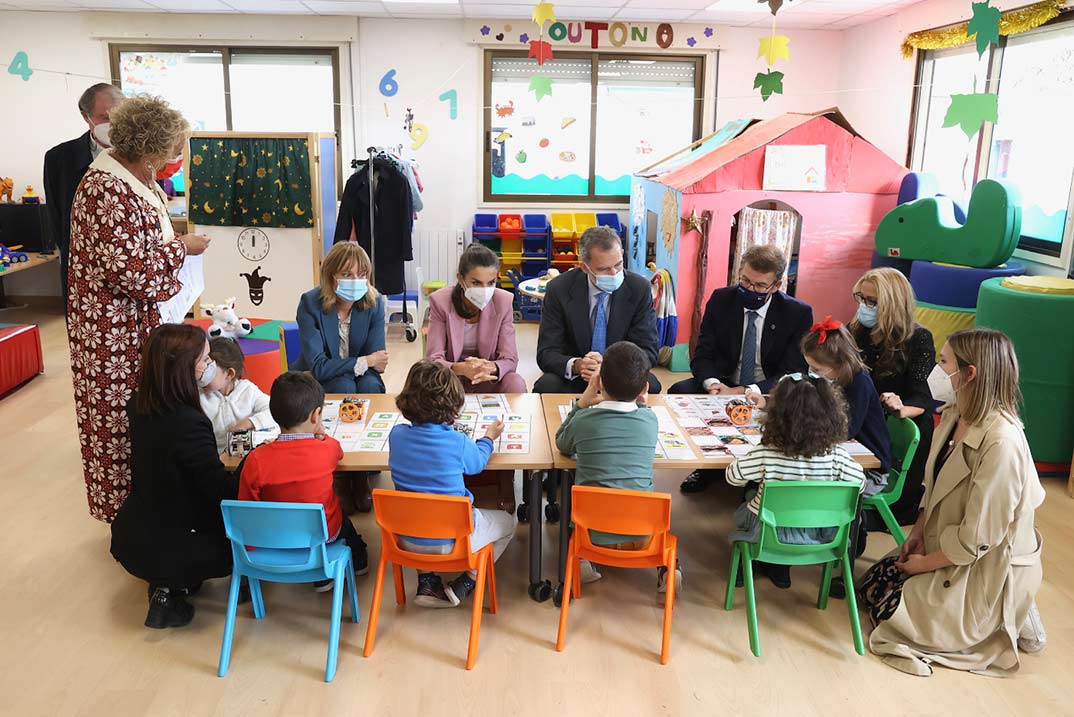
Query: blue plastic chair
[{"x": 291, "y": 541}]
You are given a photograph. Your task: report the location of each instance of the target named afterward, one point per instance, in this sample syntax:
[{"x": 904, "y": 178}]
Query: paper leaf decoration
[
  {"x": 540, "y": 51},
  {"x": 544, "y": 11},
  {"x": 541, "y": 86},
  {"x": 769, "y": 83},
  {"x": 774, "y": 47},
  {"x": 985, "y": 24},
  {"x": 970, "y": 111},
  {"x": 773, "y": 5}
]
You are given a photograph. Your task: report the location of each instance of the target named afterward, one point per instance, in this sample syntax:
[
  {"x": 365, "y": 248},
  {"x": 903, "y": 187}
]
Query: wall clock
[{"x": 253, "y": 244}]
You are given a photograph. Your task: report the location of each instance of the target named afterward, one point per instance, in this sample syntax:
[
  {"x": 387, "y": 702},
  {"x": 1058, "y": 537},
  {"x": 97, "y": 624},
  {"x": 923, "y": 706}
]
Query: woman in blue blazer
[{"x": 341, "y": 325}]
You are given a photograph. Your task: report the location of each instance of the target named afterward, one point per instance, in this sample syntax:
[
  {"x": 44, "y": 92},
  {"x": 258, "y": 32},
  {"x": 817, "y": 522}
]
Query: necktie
[
  {"x": 600, "y": 324},
  {"x": 748, "y": 363}
]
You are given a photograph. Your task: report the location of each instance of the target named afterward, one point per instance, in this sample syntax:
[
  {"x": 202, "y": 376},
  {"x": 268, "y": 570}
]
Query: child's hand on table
[
  {"x": 244, "y": 425},
  {"x": 494, "y": 431},
  {"x": 757, "y": 399}
]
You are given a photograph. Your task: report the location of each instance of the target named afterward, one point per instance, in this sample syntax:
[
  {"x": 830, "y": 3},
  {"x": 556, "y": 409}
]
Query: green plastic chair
[
  {"x": 800, "y": 504},
  {"x": 905, "y": 436}
]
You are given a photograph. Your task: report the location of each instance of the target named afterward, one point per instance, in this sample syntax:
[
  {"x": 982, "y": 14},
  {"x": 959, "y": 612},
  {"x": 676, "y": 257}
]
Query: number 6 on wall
[{"x": 388, "y": 85}]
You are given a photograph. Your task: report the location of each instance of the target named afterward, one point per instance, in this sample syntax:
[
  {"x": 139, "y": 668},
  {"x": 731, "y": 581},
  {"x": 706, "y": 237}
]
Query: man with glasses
[
  {"x": 750, "y": 337},
  {"x": 587, "y": 310}
]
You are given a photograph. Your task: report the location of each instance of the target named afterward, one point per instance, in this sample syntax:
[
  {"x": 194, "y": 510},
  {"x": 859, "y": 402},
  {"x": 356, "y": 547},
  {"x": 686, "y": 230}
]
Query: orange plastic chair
[
  {"x": 421, "y": 515},
  {"x": 627, "y": 512}
]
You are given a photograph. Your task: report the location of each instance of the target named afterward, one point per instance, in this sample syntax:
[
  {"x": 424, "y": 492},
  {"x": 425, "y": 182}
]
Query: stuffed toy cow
[{"x": 225, "y": 321}]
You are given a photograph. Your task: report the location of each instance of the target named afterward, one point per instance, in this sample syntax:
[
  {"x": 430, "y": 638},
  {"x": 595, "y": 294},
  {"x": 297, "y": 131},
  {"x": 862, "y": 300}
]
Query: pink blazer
[{"x": 495, "y": 331}]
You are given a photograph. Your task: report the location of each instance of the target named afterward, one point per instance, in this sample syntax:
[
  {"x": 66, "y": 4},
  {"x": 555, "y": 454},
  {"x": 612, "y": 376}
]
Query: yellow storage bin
[
  {"x": 584, "y": 220},
  {"x": 563, "y": 225}
]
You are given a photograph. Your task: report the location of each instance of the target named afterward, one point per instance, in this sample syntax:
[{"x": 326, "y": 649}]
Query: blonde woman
[
  {"x": 961, "y": 591},
  {"x": 341, "y": 329},
  {"x": 341, "y": 325},
  {"x": 900, "y": 354},
  {"x": 124, "y": 259}
]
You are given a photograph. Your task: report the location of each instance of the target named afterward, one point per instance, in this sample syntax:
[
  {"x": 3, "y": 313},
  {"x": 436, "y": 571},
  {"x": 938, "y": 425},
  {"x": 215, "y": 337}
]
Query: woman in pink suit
[{"x": 471, "y": 327}]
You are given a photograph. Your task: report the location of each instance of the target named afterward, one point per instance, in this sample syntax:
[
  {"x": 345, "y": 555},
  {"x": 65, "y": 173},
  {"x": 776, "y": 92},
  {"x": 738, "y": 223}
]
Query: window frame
[
  {"x": 1028, "y": 248},
  {"x": 226, "y": 51},
  {"x": 594, "y": 58}
]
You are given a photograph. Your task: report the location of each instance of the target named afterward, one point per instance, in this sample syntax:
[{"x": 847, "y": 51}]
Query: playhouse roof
[{"x": 732, "y": 158}]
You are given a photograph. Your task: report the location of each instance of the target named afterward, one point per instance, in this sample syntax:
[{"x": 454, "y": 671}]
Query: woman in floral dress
[{"x": 125, "y": 258}]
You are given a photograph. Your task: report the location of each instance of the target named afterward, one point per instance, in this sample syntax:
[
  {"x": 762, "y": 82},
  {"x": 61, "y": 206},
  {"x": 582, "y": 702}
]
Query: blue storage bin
[
  {"x": 610, "y": 219},
  {"x": 533, "y": 267},
  {"x": 534, "y": 223},
  {"x": 485, "y": 222}
]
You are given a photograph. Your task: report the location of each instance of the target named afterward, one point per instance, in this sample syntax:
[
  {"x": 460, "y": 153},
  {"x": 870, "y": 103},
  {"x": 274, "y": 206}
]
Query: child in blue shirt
[{"x": 430, "y": 456}]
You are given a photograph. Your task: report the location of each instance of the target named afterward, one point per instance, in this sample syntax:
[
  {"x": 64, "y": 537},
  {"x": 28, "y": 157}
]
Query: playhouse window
[
  {"x": 607, "y": 117},
  {"x": 1030, "y": 73}
]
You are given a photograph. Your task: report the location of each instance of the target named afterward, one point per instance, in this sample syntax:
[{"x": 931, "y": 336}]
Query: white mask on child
[{"x": 207, "y": 375}]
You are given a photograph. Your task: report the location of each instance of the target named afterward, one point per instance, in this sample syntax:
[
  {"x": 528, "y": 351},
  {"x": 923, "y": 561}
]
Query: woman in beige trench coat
[{"x": 964, "y": 582}]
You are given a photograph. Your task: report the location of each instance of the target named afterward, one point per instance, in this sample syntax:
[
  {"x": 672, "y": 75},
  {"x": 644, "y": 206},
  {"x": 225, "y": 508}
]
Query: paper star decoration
[
  {"x": 541, "y": 86},
  {"x": 540, "y": 51},
  {"x": 708, "y": 32},
  {"x": 774, "y": 47},
  {"x": 485, "y": 29},
  {"x": 694, "y": 222},
  {"x": 544, "y": 11},
  {"x": 524, "y": 38},
  {"x": 769, "y": 83},
  {"x": 691, "y": 41},
  {"x": 969, "y": 112},
  {"x": 985, "y": 24}
]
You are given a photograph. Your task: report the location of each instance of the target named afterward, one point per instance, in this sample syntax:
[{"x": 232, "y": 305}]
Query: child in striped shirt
[{"x": 804, "y": 422}]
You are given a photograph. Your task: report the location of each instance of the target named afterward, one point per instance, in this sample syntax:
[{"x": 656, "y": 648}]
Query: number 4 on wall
[{"x": 20, "y": 65}]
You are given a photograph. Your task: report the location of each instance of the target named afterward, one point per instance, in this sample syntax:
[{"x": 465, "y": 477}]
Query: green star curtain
[{"x": 244, "y": 182}]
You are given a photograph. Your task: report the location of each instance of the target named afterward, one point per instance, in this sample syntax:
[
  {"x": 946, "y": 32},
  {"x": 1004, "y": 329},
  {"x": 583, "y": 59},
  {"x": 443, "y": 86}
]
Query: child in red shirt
[{"x": 297, "y": 467}]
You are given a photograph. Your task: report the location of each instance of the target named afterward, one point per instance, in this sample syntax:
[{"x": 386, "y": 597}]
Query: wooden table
[
  {"x": 561, "y": 463},
  {"x": 36, "y": 260},
  {"x": 539, "y": 458}
]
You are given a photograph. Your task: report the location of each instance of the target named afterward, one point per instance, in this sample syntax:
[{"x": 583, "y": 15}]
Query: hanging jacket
[
  {"x": 667, "y": 319},
  {"x": 393, "y": 221}
]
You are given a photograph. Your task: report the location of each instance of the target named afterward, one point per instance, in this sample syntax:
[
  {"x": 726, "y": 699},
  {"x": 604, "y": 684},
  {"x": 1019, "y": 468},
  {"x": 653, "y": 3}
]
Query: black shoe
[
  {"x": 739, "y": 581},
  {"x": 695, "y": 482},
  {"x": 167, "y": 610},
  {"x": 431, "y": 592},
  {"x": 780, "y": 575},
  {"x": 360, "y": 558},
  {"x": 182, "y": 592},
  {"x": 838, "y": 589}
]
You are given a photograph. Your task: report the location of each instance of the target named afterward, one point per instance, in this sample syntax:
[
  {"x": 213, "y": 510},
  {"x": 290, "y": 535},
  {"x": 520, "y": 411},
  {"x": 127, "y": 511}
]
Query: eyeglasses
[
  {"x": 751, "y": 286},
  {"x": 867, "y": 300}
]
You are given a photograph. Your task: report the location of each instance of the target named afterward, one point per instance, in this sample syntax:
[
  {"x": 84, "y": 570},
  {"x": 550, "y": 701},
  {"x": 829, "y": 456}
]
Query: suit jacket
[
  {"x": 65, "y": 165},
  {"x": 169, "y": 529},
  {"x": 495, "y": 331},
  {"x": 565, "y": 331},
  {"x": 393, "y": 217},
  {"x": 719, "y": 344},
  {"x": 318, "y": 332}
]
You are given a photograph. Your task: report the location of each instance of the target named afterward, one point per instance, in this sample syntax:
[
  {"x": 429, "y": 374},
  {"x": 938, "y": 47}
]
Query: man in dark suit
[
  {"x": 67, "y": 163},
  {"x": 750, "y": 338},
  {"x": 587, "y": 310}
]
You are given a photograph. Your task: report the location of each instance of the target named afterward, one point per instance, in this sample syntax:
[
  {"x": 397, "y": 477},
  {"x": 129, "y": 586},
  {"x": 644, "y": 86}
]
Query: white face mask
[
  {"x": 479, "y": 296},
  {"x": 101, "y": 132},
  {"x": 207, "y": 375},
  {"x": 940, "y": 385}
]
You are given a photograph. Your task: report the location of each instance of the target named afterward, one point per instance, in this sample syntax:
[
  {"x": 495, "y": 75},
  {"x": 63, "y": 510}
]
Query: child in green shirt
[{"x": 613, "y": 440}]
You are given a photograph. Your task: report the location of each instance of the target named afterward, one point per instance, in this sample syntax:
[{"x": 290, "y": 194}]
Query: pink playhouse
[{"x": 806, "y": 182}]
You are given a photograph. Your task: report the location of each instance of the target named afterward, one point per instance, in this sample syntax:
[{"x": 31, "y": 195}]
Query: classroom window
[
  {"x": 237, "y": 89},
  {"x": 1030, "y": 73},
  {"x": 607, "y": 117}
]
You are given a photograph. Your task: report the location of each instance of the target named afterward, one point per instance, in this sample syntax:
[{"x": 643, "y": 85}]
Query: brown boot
[
  {"x": 363, "y": 499},
  {"x": 341, "y": 483}
]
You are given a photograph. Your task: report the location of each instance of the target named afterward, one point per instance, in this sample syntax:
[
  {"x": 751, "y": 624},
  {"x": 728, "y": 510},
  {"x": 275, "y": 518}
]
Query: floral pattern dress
[{"x": 124, "y": 260}]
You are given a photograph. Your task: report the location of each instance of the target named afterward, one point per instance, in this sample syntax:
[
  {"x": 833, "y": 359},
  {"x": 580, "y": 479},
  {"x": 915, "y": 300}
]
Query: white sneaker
[
  {"x": 588, "y": 571},
  {"x": 1032, "y": 638},
  {"x": 662, "y": 583}
]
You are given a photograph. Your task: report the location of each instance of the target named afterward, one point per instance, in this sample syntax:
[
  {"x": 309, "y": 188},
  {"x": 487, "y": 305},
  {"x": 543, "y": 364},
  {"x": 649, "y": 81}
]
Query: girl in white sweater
[{"x": 230, "y": 401}]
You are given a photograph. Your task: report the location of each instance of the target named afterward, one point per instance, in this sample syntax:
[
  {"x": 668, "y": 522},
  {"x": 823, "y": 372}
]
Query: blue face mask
[
  {"x": 752, "y": 300},
  {"x": 608, "y": 283},
  {"x": 867, "y": 316},
  {"x": 352, "y": 289}
]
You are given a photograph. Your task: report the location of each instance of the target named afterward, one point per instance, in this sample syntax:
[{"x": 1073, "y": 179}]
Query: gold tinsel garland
[{"x": 1011, "y": 23}]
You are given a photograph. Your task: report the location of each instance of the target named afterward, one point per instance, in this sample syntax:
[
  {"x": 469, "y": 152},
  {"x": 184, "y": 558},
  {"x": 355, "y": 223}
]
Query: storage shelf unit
[
  {"x": 521, "y": 242},
  {"x": 567, "y": 227}
]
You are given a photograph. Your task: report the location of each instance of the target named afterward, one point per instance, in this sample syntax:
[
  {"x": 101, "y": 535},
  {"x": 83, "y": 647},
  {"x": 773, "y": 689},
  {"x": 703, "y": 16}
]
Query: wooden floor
[{"x": 73, "y": 640}]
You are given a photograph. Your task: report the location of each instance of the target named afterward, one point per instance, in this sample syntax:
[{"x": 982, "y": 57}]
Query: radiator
[{"x": 436, "y": 254}]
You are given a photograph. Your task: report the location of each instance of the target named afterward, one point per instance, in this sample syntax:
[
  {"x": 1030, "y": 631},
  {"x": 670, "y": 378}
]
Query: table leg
[
  {"x": 539, "y": 590},
  {"x": 566, "y": 481}
]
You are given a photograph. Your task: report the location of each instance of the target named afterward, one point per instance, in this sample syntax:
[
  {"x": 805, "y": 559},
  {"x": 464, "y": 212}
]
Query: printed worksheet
[{"x": 670, "y": 442}]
